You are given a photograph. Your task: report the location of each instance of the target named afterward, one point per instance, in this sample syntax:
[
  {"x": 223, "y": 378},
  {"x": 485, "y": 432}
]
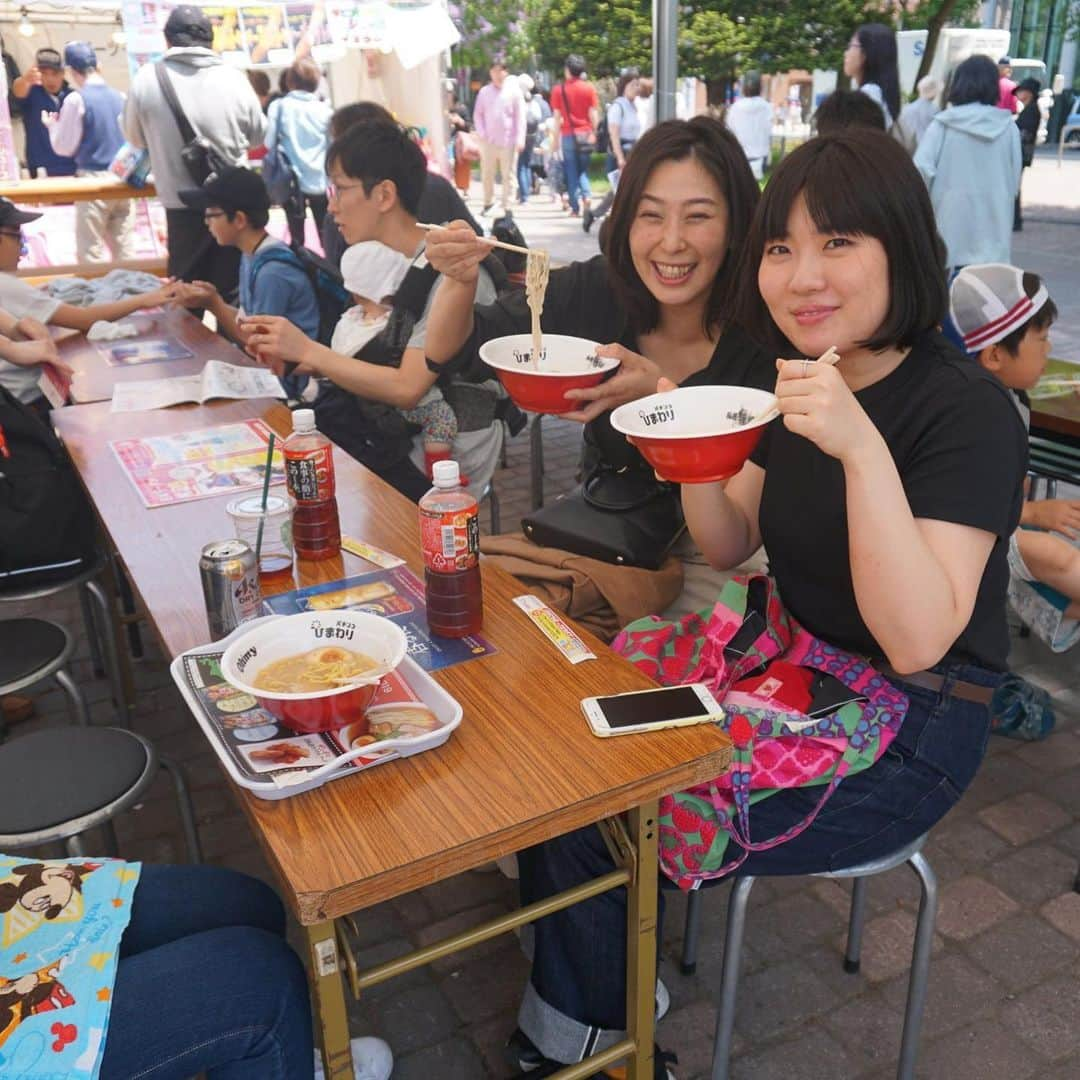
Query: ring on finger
[{"x": 805, "y": 368}]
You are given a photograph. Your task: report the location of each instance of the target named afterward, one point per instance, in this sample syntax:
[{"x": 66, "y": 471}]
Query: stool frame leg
[
  {"x": 493, "y": 507},
  {"x": 729, "y": 984},
  {"x": 691, "y": 933},
  {"x": 920, "y": 965},
  {"x": 75, "y": 696},
  {"x": 184, "y": 805},
  {"x": 536, "y": 462},
  {"x": 93, "y": 637},
  {"x": 856, "y": 922}
]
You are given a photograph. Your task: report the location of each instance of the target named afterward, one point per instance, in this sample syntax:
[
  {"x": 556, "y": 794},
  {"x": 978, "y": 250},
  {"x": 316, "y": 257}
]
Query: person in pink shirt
[
  {"x": 499, "y": 119},
  {"x": 1006, "y": 86}
]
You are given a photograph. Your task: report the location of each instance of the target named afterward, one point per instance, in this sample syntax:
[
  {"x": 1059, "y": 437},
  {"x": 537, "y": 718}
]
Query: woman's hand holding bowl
[
  {"x": 635, "y": 378},
  {"x": 456, "y": 252},
  {"x": 816, "y": 403}
]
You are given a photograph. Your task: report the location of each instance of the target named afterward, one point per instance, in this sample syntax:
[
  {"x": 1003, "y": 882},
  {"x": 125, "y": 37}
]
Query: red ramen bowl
[
  {"x": 568, "y": 363},
  {"x": 290, "y": 635},
  {"x": 696, "y": 434}
]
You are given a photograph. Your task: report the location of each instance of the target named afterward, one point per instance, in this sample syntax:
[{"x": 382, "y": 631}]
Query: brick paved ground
[{"x": 1005, "y": 979}]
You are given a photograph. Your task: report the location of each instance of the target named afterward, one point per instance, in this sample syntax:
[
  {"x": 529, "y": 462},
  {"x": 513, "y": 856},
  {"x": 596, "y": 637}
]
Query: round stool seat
[
  {"x": 61, "y": 774},
  {"x": 878, "y": 866},
  {"x": 27, "y": 646}
]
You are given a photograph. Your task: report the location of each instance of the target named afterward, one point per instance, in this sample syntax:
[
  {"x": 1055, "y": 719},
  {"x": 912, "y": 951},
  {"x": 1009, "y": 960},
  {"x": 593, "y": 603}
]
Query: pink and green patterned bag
[{"x": 774, "y": 746}]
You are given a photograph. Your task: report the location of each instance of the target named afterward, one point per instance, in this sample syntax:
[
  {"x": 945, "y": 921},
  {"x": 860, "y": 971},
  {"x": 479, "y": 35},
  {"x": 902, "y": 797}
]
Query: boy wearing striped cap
[{"x": 1004, "y": 315}]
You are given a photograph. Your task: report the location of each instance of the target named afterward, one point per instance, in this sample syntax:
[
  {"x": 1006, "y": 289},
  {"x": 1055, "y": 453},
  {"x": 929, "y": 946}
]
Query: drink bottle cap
[
  {"x": 303, "y": 420},
  {"x": 446, "y": 474}
]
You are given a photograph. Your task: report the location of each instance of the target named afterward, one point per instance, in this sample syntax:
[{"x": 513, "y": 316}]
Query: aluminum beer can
[{"x": 230, "y": 581}]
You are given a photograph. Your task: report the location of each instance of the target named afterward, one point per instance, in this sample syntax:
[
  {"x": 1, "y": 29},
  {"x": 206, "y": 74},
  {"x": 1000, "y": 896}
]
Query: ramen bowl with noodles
[
  {"x": 566, "y": 363},
  {"x": 316, "y": 671},
  {"x": 697, "y": 434}
]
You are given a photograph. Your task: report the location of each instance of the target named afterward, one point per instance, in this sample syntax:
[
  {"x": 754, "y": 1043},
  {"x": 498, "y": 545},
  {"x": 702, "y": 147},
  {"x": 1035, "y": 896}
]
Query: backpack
[
  {"x": 47, "y": 527},
  {"x": 330, "y": 292},
  {"x": 603, "y": 136},
  {"x": 505, "y": 230},
  {"x": 799, "y": 712}
]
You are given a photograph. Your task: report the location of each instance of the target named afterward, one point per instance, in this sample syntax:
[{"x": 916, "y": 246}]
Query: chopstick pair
[
  {"x": 829, "y": 356},
  {"x": 487, "y": 240}
]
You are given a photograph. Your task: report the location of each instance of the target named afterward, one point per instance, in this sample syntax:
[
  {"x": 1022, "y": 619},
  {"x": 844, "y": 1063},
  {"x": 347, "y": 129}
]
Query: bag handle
[
  {"x": 168, "y": 92},
  {"x": 601, "y": 471}
]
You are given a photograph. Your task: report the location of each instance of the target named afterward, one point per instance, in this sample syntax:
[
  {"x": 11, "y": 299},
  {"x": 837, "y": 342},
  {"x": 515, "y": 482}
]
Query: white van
[{"x": 953, "y": 46}]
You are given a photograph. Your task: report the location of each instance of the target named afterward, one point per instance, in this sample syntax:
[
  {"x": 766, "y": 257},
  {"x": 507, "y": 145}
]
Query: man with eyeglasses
[
  {"x": 236, "y": 208},
  {"x": 24, "y": 311}
]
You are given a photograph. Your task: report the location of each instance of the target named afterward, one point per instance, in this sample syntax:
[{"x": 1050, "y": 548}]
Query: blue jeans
[
  {"x": 207, "y": 983},
  {"x": 576, "y": 164},
  {"x": 575, "y": 1002},
  {"x": 524, "y": 169}
]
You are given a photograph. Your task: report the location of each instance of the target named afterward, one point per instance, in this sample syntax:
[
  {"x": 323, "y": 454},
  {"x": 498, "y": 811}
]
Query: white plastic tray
[{"x": 286, "y": 781}]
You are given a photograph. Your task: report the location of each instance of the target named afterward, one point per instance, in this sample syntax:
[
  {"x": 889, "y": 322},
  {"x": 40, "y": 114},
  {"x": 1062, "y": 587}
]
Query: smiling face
[
  {"x": 678, "y": 238},
  {"x": 824, "y": 289}
]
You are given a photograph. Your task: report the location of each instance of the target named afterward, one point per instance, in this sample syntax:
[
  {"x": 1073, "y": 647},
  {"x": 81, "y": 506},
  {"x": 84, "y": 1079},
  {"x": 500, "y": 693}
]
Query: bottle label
[
  {"x": 310, "y": 478},
  {"x": 450, "y": 540}
]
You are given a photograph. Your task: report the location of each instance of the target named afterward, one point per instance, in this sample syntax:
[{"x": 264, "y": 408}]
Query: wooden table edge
[{"x": 315, "y": 907}]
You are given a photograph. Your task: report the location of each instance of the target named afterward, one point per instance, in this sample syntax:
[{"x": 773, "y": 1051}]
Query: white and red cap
[{"x": 988, "y": 302}]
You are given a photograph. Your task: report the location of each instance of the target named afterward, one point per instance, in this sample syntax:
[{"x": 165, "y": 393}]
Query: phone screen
[{"x": 651, "y": 707}]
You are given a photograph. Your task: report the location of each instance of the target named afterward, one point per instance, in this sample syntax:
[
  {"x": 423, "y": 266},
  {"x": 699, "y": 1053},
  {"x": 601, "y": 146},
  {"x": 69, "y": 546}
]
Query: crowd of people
[{"x": 888, "y": 499}]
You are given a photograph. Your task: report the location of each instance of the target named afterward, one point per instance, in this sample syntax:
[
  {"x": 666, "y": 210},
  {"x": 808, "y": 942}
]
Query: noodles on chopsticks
[{"x": 537, "y": 268}]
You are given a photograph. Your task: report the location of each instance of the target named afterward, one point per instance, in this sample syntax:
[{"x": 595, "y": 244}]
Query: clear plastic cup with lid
[{"x": 275, "y": 549}]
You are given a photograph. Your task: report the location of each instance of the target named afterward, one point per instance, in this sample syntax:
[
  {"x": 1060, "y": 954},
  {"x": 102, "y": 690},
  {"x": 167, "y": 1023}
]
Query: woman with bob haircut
[
  {"x": 971, "y": 161},
  {"x": 885, "y": 496},
  {"x": 659, "y": 296},
  {"x": 870, "y": 59}
]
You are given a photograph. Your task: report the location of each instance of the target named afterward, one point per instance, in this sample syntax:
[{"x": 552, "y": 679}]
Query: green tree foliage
[
  {"x": 489, "y": 29},
  {"x": 609, "y": 34}
]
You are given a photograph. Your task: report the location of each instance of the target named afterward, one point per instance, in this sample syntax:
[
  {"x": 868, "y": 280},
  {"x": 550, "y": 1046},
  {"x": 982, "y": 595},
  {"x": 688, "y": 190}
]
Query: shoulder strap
[{"x": 187, "y": 132}]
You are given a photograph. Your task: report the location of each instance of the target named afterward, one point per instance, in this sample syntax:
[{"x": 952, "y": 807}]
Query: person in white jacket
[
  {"x": 222, "y": 108},
  {"x": 970, "y": 160},
  {"x": 750, "y": 121}
]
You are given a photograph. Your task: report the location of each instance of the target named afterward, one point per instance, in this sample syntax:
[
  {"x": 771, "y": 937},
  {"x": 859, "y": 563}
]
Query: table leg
[
  {"x": 329, "y": 994},
  {"x": 641, "y": 941}
]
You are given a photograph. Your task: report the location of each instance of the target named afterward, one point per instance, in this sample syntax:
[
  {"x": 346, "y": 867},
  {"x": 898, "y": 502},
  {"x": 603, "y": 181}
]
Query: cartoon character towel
[{"x": 60, "y": 930}]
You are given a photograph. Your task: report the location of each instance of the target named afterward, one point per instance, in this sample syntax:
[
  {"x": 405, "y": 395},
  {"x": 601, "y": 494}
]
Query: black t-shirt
[
  {"x": 581, "y": 302},
  {"x": 961, "y": 451}
]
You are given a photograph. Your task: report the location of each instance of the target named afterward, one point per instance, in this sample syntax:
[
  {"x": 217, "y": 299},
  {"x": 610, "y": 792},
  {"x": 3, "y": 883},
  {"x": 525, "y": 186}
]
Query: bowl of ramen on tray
[
  {"x": 697, "y": 434},
  {"x": 316, "y": 671},
  {"x": 566, "y": 363}
]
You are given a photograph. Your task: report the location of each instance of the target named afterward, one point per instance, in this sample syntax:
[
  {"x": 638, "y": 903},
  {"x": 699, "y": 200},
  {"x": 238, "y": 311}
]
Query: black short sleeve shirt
[{"x": 961, "y": 451}]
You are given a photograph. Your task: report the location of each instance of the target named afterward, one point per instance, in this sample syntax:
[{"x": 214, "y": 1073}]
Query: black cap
[
  {"x": 10, "y": 214},
  {"x": 1005, "y": 62},
  {"x": 188, "y": 26},
  {"x": 234, "y": 189},
  {"x": 48, "y": 58}
]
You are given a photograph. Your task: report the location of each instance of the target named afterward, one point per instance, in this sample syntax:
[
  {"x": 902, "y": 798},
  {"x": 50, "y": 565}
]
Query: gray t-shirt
[{"x": 20, "y": 300}]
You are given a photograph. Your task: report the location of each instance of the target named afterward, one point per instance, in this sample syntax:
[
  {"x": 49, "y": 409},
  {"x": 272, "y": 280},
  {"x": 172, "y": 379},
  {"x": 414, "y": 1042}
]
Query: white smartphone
[{"x": 651, "y": 710}]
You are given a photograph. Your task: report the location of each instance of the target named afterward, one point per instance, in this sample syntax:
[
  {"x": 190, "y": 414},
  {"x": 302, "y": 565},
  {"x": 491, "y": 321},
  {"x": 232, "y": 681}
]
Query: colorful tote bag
[
  {"x": 799, "y": 712},
  {"x": 60, "y": 930}
]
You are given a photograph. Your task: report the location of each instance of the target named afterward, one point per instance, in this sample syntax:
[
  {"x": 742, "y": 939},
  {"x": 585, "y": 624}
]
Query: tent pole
[{"x": 665, "y": 56}]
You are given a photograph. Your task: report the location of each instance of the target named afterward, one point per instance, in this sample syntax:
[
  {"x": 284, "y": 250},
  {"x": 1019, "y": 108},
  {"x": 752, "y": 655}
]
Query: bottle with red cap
[
  {"x": 450, "y": 536},
  {"x": 309, "y": 474}
]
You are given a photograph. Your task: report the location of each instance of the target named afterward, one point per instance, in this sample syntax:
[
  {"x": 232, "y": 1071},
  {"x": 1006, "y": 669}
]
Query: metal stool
[
  {"x": 33, "y": 650},
  {"x": 56, "y": 784},
  {"x": 100, "y": 629},
  {"x": 736, "y": 924}
]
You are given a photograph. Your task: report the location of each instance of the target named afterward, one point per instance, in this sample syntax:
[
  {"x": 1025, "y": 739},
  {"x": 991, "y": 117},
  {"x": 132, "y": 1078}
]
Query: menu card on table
[
  {"x": 396, "y": 594},
  {"x": 216, "y": 380},
  {"x": 168, "y": 469},
  {"x": 146, "y": 351}
]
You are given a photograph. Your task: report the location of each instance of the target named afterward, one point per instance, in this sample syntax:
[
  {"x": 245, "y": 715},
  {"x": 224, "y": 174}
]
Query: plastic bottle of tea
[
  {"x": 450, "y": 537},
  {"x": 309, "y": 474}
]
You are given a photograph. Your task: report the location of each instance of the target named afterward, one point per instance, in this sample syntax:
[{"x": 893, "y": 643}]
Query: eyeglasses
[
  {"x": 15, "y": 234},
  {"x": 335, "y": 191},
  {"x": 210, "y": 214}
]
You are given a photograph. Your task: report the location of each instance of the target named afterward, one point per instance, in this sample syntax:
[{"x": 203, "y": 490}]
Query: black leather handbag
[{"x": 623, "y": 516}]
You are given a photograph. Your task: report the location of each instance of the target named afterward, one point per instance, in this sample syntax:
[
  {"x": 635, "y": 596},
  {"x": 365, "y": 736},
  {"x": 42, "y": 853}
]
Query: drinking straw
[{"x": 265, "y": 495}]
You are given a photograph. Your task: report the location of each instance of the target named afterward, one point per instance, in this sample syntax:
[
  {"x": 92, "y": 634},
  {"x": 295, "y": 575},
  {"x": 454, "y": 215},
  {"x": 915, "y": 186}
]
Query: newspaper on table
[{"x": 217, "y": 380}]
